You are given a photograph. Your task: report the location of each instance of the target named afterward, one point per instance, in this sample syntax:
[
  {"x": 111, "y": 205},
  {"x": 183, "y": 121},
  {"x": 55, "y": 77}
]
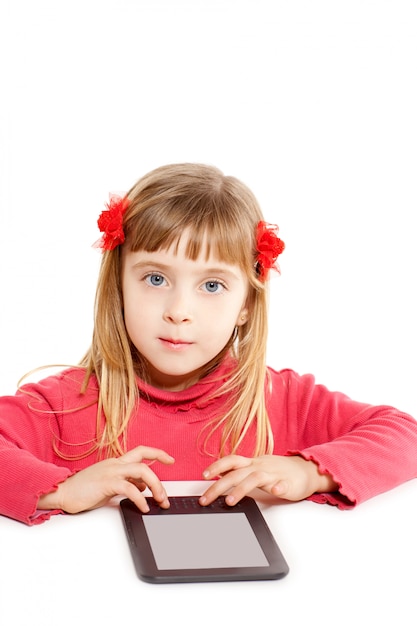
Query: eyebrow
[{"x": 157, "y": 265}]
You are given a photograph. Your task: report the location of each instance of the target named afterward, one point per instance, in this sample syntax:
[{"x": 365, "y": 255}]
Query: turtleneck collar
[{"x": 197, "y": 395}]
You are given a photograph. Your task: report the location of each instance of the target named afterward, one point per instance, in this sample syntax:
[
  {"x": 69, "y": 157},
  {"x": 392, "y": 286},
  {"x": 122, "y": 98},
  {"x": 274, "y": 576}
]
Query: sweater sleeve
[
  {"x": 29, "y": 467},
  {"x": 366, "y": 449}
]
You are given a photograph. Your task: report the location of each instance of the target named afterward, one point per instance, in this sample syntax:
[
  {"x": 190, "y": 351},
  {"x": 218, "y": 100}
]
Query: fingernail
[
  {"x": 206, "y": 474},
  {"x": 203, "y": 500}
]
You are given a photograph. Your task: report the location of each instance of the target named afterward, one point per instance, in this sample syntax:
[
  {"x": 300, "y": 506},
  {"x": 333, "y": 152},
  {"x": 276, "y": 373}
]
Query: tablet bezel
[{"x": 144, "y": 560}]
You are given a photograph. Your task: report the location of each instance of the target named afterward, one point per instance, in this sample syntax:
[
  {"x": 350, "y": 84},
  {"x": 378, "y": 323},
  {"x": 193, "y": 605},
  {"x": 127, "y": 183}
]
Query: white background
[{"x": 311, "y": 103}]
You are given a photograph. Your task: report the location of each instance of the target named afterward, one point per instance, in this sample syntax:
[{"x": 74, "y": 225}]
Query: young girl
[{"x": 175, "y": 385}]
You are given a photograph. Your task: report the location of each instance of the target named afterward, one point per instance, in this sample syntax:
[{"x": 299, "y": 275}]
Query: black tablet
[{"x": 192, "y": 543}]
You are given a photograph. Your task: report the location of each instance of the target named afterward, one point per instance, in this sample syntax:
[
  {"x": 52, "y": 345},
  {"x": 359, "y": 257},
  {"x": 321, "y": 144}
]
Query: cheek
[
  {"x": 220, "y": 320},
  {"x": 134, "y": 316}
]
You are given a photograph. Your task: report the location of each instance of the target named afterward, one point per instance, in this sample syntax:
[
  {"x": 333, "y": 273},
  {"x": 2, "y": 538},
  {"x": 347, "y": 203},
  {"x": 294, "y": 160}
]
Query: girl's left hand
[{"x": 287, "y": 477}]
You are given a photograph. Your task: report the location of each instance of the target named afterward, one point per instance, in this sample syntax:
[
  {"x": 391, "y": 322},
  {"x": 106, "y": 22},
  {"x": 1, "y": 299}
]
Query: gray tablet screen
[{"x": 203, "y": 541}]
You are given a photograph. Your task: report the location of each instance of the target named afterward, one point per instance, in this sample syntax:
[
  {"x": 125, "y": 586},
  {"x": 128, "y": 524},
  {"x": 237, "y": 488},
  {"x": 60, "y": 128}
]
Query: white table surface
[{"x": 346, "y": 567}]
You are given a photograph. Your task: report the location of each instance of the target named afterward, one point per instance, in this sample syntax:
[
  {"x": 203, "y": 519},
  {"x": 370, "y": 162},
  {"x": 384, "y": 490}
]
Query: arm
[
  {"x": 28, "y": 468},
  {"x": 327, "y": 448},
  {"x": 36, "y": 482},
  {"x": 23, "y": 478},
  {"x": 366, "y": 449}
]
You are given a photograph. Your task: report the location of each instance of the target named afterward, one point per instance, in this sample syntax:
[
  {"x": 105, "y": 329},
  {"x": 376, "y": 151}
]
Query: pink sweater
[{"x": 366, "y": 449}]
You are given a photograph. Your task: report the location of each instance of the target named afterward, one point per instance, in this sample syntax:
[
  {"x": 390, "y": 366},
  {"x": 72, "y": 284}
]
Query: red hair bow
[
  {"x": 110, "y": 223},
  {"x": 269, "y": 246}
]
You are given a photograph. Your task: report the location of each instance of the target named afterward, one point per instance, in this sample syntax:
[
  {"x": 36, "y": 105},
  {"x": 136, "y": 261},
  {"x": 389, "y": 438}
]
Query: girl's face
[{"x": 180, "y": 313}]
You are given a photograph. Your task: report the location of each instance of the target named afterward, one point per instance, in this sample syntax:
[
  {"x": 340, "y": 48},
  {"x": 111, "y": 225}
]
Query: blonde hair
[{"x": 220, "y": 213}]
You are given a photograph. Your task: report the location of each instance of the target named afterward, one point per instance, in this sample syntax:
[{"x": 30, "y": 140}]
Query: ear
[{"x": 242, "y": 317}]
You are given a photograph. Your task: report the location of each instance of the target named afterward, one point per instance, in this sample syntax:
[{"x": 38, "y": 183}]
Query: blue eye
[
  {"x": 213, "y": 286},
  {"x": 156, "y": 280}
]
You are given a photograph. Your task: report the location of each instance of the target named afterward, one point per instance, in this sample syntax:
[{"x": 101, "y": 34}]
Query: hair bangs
[{"x": 211, "y": 230}]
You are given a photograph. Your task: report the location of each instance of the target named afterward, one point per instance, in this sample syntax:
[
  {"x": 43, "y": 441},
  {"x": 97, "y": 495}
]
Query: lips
[{"x": 175, "y": 344}]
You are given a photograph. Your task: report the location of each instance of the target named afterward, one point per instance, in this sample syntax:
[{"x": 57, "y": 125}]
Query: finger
[
  {"x": 222, "y": 486},
  {"x": 211, "y": 494},
  {"x": 246, "y": 485},
  {"x": 236, "y": 485},
  {"x": 121, "y": 488},
  {"x": 225, "y": 464},
  {"x": 141, "y": 453},
  {"x": 134, "y": 495},
  {"x": 141, "y": 473},
  {"x": 139, "y": 484}
]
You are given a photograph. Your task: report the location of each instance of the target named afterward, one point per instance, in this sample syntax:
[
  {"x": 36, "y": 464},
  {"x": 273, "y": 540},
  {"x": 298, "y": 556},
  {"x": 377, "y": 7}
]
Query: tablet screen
[{"x": 203, "y": 541}]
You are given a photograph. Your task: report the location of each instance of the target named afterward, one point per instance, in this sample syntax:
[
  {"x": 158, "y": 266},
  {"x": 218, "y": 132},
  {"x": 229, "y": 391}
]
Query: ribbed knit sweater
[{"x": 367, "y": 449}]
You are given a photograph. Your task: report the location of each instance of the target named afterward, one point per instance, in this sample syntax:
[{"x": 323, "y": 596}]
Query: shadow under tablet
[{"x": 192, "y": 543}]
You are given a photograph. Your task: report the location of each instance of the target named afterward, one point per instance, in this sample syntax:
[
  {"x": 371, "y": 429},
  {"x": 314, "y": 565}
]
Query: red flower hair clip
[
  {"x": 110, "y": 223},
  {"x": 269, "y": 246}
]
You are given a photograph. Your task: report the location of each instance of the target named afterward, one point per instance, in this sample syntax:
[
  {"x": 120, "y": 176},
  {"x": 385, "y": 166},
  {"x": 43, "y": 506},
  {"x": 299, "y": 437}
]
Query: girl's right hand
[{"x": 125, "y": 476}]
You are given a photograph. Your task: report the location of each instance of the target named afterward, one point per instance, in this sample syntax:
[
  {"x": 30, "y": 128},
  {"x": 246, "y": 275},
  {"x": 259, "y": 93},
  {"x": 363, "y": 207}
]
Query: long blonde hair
[{"x": 220, "y": 213}]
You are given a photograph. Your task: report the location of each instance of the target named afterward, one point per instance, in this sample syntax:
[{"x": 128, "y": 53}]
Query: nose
[{"x": 177, "y": 310}]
